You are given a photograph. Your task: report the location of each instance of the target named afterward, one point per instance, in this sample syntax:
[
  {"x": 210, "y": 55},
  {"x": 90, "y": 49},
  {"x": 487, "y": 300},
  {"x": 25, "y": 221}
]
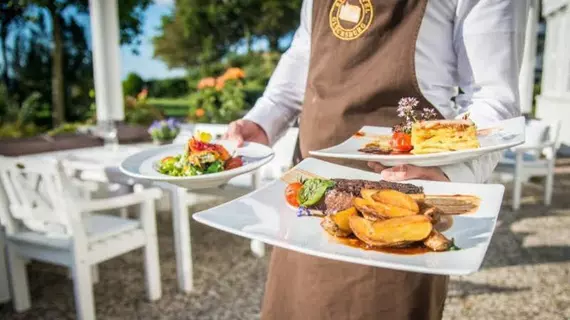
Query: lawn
[{"x": 172, "y": 107}]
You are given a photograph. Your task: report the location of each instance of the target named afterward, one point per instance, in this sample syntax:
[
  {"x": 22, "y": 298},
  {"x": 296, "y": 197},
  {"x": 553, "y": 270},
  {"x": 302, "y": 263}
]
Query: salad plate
[
  {"x": 149, "y": 164},
  {"x": 495, "y": 137},
  {"x": 267, "y": 215}
]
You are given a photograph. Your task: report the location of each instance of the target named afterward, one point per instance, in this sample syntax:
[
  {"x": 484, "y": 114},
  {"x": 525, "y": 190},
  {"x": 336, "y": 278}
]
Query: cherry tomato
[
  {"x": 233, "y": 163},
  {"x": 401, "y": 142},
  {"x": 291, "y": 193}
]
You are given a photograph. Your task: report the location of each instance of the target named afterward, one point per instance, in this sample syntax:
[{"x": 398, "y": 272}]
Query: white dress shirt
[{"x": 473, "y": 44}]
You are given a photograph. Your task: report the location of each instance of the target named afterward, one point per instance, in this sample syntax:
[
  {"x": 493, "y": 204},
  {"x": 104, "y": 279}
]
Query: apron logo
[{"x": 348, "y": 21}]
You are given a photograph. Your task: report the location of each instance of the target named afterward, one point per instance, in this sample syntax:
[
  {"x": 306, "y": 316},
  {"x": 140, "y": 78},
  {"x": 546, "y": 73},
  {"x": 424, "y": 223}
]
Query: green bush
[
  {"x": 133, "y": 84},
  {"x": 65, "y": 128},
  {"x": 17, "y": 119},
  {"x": 168, "y": 88},
  {"x": 220, "y": 100},
  {"x": 139, "y": 112}
]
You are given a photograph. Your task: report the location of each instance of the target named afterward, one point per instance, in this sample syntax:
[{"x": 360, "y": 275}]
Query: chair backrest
[
  {"x": 540, "y": 132},
  {"x": 38, "y": 195}
]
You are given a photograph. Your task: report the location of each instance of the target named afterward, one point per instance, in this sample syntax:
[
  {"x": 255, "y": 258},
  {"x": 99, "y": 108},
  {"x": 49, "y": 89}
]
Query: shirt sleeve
[
  {"x": 282, "y": 100},
  {"x": 489, "y": 40}
]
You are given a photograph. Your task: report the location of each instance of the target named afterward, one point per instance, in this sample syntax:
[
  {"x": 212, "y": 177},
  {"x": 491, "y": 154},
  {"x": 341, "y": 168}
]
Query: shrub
[
  {"x": 139, "y": 112},
  {"x": 133, "y": 84},
  {"x": 219, "y": 100},
  {"x": 17, "y": 121},
  {"x": 168, "y": 88}
]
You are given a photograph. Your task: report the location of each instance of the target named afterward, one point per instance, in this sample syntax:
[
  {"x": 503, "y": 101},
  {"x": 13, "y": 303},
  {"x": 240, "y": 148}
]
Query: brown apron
[{"x": 358, "y": 72}]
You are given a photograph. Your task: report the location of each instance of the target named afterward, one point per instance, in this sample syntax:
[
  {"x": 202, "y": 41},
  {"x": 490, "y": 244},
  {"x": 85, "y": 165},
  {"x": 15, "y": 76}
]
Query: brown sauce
[
  {"x": 359, "y": 134},
  {"x": 357, "y": 243}
]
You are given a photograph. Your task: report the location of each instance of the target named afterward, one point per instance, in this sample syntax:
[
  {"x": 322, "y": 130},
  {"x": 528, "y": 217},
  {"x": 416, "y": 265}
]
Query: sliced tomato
[
  {"x": 291, "y": 193},
  {"x": 401, "y": 142},
  {"x": 233, "y": 163},
  {"x": 166, "y": 159}
]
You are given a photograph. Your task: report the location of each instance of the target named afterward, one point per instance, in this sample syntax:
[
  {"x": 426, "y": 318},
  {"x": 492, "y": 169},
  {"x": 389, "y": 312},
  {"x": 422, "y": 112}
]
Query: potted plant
[{"x": 164, "y": 131}]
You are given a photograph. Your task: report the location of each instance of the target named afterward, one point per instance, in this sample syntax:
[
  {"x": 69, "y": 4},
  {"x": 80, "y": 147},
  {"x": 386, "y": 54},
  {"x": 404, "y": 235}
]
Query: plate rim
[{"x": 211, "y": 176}]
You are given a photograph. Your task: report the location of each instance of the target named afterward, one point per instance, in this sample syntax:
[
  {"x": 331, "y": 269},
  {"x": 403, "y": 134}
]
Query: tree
[
  {"x": 65, "y": 16},
  {"x": 10, "y": 14},
  {"x": 200, "y": 32},
  {"x": 276, "y": 19}
]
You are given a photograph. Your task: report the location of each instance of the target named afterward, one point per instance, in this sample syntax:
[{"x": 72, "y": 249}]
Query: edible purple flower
[
  {"x": 429, "y": 113},
  {"x": 303, "y": 211}
]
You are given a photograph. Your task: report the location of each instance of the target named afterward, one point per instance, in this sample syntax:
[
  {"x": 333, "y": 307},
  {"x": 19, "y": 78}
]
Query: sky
[{"x": 144, "y": 64}]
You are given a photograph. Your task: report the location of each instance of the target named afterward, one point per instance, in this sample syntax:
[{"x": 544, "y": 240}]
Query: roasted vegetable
[
  {"x": 391, "y": 232},
  {"x": 342, "y": 218},
  {"x": 454, "y": 204},
  {"x": 437, "y": 241},
  {"x": 430, "y": 211},
  {"x": 333, "y": 229},
  {"x": 381, "y": 210},
  {"x": 396, "y": 199}
]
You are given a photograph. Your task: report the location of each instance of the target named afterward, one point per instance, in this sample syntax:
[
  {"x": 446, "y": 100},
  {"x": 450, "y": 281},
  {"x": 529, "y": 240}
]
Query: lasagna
[{"x": 443, "y": 135}]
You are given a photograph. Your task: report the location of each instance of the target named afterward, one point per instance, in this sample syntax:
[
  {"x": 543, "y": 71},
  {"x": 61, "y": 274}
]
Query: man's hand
[
  {"x": 246, "y": 130},
  {"x": 408, "y": 172}
]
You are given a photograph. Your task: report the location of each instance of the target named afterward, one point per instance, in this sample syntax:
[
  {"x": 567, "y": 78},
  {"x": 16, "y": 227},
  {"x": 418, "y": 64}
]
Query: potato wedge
[
  {"x": 396, "y": 199},
  {"x": 437, "y": 241},
  {"x": 391, "y": 232},
  {"x": 418, "y": 196},
  {"x": 381, "y": 210},
  {"x": 341, "y": 218},
  {"x": 430, "y": 211},
  {"x": 333, "y": 229},
  {"x": 367, "y": 193}
]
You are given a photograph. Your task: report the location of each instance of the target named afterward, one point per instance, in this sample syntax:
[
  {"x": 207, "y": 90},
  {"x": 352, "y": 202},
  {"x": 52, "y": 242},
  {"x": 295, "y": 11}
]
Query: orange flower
[
  {"x": 206, "y": 83},
  {"x": 234, "y": 74},
  {"x": 143, "y": 94},
  {"x": 220, "y": 82},
  {"x": 200, "y": 113}
]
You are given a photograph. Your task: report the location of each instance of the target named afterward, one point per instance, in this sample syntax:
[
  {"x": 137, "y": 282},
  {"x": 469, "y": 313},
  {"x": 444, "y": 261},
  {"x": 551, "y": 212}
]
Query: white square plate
[
  {"x": 265, "y": 215},
  {"x": 505, "y": 134}
]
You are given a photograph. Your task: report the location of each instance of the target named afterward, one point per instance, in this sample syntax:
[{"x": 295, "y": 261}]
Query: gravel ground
[{"x": 526, "y": 274}]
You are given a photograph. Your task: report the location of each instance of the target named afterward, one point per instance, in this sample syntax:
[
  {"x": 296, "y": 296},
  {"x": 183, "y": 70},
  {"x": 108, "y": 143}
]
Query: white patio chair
[
  {"x": 535, "y": 158},
  {"x": 46, "y": 221}
]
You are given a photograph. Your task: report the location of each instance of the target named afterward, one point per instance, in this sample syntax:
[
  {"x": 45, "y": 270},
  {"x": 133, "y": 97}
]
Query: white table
[{"x": 101, "y": 164}]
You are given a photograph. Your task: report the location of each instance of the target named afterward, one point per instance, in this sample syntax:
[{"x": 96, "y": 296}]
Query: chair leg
[
  {"x": 549, "y": 185},
  {"x": 151, "y": 257},
  {"x": 83, "y": 287},
  {"x": 19, "y": 280},
  {"x": 258, "y": 248},
  {"x": 517, "y": 188}
]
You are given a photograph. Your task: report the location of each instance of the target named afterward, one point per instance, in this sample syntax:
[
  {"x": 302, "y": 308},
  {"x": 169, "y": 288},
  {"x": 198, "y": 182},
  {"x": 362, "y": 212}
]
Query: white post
[
  {"x": 526, "y": 77},
  {"x": 106, "y": 59}
]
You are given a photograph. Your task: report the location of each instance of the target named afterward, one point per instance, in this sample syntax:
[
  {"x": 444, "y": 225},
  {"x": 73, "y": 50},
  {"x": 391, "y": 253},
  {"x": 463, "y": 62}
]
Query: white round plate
[
  {"x": 142, "y": 165},
  {"x": 505, "y": 134}
]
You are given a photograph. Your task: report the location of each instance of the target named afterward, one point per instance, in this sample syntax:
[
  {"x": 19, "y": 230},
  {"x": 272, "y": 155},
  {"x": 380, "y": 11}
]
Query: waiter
[{"x": 349, "y": 64}]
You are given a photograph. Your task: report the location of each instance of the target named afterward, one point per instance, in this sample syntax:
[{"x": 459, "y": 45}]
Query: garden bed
[{"x": 23, "y": 146}]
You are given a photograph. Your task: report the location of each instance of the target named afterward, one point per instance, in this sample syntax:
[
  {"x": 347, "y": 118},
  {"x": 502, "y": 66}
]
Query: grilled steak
[
  {"x": 354, "y": 186},
  {"x": 345, "y": 190},
  {"x": 336, "y": 201}
]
